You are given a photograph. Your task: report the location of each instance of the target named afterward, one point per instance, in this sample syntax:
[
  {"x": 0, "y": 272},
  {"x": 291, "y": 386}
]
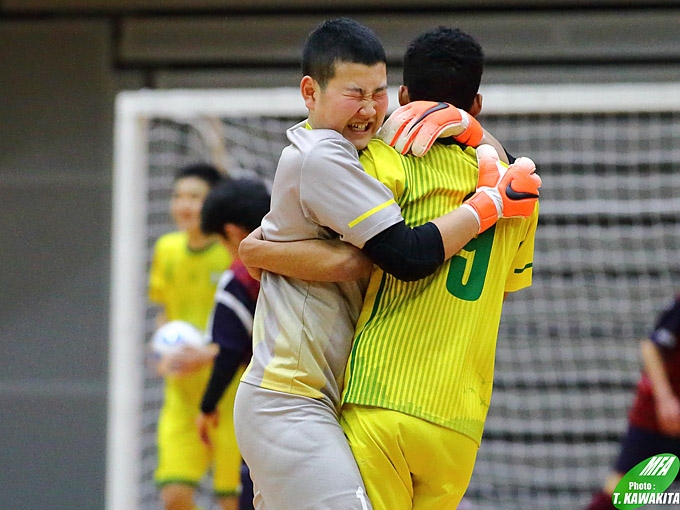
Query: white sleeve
[{"x": 336, "y": 193}]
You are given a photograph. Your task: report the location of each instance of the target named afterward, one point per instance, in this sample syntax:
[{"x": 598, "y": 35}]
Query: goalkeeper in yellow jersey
[
  {"x": 183, "y": 277},
  {"x": 419, "y": 377}
]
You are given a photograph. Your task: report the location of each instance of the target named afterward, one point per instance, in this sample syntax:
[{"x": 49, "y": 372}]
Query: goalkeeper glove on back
[{"x": 415, "y": 126}]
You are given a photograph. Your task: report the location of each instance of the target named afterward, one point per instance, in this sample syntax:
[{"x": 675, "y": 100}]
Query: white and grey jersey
[{"x": 303, "y": 330}]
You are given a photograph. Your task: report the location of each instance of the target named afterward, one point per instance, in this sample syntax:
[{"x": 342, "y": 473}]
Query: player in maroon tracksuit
[
  {"x": 232, "y": 210},
  {"x": 654, "y": 419}
]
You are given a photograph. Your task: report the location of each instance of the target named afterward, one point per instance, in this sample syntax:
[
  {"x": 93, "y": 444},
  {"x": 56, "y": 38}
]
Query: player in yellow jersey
[
  {"x": 419, "y": 377},
  {"x": 185, "y": 270},
  {"x": 420, "y": 374}
]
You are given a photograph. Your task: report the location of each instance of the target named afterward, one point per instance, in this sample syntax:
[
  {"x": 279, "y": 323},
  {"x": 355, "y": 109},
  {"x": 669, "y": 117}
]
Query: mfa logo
[{"x": 647, "y": 482}]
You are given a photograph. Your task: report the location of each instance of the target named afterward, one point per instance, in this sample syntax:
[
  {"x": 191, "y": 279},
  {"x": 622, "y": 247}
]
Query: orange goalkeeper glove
[
  {"x": 501, "y": 192},
  {"x": 415, "y": 127}
]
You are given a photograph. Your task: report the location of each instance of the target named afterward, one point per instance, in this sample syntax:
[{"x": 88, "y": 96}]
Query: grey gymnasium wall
[{"x": 61, "y": 65}]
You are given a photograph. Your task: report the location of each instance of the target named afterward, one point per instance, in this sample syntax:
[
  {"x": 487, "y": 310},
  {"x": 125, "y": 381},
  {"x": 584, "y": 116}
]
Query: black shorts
[{"x": 639, "y": 444}]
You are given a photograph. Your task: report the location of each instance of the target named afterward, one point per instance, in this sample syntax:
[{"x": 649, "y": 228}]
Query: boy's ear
[
  {"x": 404, "y": 97},
  {"x": 235, "y": 232},
  {"x": 308, "y": 88},
  {"x": 476, "y": 107}
]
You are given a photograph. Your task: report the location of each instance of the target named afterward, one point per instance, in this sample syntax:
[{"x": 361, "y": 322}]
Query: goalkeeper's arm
[
  {"x": 413, "y": 253},
  {"x": 406, "y": 253},
  {"x": 410, "y": 254}
]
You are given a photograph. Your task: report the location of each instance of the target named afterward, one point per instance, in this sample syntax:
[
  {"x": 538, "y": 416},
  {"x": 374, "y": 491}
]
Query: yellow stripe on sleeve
[{"x": 367, "y": 214}]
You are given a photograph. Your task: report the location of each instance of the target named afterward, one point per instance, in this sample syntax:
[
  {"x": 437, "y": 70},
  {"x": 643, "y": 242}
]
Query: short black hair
[
  {"x": 241, "y": 201},
  {"x": 339, "y": 40},
  {"x": 444, "y": 64},
  {"x": 205, "y": 171}
]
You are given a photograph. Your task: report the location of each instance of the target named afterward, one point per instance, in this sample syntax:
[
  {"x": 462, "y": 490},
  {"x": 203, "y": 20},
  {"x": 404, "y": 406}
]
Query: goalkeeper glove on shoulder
[
  {"x": 501, "y": 192},
  {"x": 415, "y": 126}
]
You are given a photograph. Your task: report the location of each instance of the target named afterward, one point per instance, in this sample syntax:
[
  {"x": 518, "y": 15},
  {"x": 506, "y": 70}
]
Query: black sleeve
[
  {"x": 511, "y": 158},
  {"x": 406, "y": 253},
  {"x": 224, "y": 368}
]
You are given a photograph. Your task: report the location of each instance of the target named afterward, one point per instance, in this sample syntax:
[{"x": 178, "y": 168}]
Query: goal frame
[{"x": 133, "y": 109}]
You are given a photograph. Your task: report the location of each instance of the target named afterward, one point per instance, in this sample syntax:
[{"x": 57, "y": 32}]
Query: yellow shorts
[
  {"x": 183, "y": 457},
  {"x": 406, "y": 462}
]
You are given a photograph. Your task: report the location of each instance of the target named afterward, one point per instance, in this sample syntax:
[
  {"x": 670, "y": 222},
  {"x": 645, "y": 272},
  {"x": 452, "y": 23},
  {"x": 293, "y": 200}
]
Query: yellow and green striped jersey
[{"x": 427, "y": 348}]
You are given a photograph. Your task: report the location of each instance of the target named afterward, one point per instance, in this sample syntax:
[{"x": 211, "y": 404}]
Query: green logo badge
[{"x": 647, "y": 482}]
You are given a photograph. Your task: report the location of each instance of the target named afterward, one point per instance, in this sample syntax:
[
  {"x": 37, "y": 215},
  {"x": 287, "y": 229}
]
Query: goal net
[{"x": 606, "y": 262}]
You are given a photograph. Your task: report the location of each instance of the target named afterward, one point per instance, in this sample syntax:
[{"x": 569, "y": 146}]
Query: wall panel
[{"x": 506, "y": 37}]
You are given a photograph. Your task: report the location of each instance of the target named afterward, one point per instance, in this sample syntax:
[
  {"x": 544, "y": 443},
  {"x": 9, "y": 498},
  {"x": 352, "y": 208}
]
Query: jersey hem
[
  {"x": 286, "y": 388},
  {"x": 470, "y": 428}
]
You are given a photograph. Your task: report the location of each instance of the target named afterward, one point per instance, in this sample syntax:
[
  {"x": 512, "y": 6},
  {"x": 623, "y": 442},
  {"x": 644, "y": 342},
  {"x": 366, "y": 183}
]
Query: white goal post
[
  {"x": 616, "y": 133},
  {"x": 128, "y": 262}
]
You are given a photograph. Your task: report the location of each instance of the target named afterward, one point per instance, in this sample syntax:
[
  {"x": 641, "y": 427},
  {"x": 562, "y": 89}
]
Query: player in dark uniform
[
  {"x": 654, "y": 418},
  {"x": 231, "y": 210}
]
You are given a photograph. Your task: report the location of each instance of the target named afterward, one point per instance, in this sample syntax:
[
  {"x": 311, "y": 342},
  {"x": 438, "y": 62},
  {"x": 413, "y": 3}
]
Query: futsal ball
[{"x": 170, "y": 337}]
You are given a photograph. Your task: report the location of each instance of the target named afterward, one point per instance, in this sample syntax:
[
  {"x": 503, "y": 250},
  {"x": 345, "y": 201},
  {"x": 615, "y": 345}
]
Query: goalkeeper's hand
[
  {"x": 501, "y": 192},
  {"x": 415, "y": 127}
]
